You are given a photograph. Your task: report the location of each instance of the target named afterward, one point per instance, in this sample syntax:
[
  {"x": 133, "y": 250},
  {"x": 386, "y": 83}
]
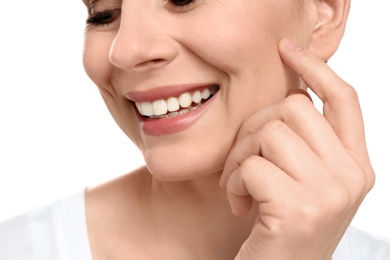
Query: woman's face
[{"x": 163, "y": 55}]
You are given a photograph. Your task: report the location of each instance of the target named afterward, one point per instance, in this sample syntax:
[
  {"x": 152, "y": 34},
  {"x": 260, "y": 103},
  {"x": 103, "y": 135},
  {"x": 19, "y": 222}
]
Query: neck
[
  {"x": 178, "y": 220},
  {"x": 199, "y": 209},
  {"x": 205, "y": 188}
]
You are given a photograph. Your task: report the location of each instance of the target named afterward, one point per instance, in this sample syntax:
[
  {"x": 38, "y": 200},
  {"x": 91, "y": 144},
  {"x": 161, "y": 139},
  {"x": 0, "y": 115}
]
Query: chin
[{"x": 183, "y": 165}]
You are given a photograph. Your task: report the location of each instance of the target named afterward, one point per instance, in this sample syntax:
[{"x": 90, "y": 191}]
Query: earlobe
[{"x": 329, "y": 26}]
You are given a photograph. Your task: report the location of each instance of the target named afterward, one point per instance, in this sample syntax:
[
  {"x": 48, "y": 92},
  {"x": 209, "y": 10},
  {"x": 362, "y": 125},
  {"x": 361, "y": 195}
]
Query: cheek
[
  {"x": 99, "y": 69},
  {"x": 234, "y": 37},
  {"x": 96, "y": 50},
  {"x": 242, "y": 42}
]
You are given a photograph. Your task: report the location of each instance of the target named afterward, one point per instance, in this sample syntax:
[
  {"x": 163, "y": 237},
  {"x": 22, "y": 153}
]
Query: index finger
[{"x": 341, "y": 104}]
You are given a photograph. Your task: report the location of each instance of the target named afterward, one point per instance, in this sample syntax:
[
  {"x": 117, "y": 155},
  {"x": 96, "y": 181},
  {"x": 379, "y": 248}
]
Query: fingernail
[{"x": 291, "y": 46}]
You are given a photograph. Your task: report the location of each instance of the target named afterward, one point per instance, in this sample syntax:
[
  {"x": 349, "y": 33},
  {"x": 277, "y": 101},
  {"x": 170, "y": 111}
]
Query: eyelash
[
  {"x": 106, "y": 17},
  {"x": 103, "y": 18},
  {"x": 179, "y": 5}
]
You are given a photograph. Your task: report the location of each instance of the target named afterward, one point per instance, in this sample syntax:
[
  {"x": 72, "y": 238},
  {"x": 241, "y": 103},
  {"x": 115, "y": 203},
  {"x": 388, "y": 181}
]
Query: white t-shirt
[{"x": 59, "y": 232}]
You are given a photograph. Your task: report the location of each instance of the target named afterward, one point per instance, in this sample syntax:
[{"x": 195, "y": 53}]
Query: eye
[
  {"x": 179, "y": 5},
  {"x": 103, "y": 18},
  {"x": 181, "y": 2}
]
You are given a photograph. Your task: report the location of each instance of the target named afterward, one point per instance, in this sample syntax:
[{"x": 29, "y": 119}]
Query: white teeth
[
  {"x": 147, "y": 108},
  {"x": 206, "y": 93},
  {"x": 160, "y": 107},
  {"x": 138, "y": 105},
  {"x": 172, "y": 105},
  {"x": 196, "y": 97},
  {"x": 185, "y": 100}
]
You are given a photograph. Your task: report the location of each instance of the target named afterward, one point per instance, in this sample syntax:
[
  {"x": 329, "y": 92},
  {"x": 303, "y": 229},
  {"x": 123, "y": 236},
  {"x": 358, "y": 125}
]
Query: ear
[{"x": 329, "y": 26}]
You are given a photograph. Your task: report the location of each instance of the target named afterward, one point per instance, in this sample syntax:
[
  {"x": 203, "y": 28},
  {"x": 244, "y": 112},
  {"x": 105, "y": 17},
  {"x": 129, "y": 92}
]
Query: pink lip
[
  {"x": 163, "y": 92},
  {"x": 170, "y": 125}
]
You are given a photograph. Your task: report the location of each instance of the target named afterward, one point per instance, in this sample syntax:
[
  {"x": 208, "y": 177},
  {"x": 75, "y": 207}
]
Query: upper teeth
[{"x": 172, "y": 104}]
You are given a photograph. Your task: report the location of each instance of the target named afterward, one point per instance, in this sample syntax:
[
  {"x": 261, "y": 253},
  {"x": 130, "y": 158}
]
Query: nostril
[
  {"x": 157, "y": 60},
  {"x": 150, "y": 64}
]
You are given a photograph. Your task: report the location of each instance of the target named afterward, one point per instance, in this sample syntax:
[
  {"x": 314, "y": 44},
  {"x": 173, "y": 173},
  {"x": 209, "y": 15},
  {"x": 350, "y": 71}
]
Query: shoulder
[
  {"x": 361, "y": 245},
  {"x": 47, "y": 232}
]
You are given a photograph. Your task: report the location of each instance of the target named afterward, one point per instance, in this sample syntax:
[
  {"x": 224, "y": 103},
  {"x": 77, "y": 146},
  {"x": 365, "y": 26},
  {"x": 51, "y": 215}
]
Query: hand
[{"x": 306, "y": 172}]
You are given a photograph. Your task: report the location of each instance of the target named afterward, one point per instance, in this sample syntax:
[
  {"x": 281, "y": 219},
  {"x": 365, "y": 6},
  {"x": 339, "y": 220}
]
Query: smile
[{"x": 176, "y": 105}]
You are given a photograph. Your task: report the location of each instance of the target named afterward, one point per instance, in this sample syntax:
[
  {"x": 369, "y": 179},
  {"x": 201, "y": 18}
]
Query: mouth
[{"x": 176, "y": 105}]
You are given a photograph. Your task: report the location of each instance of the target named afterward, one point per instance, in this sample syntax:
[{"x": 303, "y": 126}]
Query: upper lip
[{"x": 164, "y": 92}]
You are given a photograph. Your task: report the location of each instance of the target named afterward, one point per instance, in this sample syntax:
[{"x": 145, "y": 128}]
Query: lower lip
[{"x": 170, "y": 125}]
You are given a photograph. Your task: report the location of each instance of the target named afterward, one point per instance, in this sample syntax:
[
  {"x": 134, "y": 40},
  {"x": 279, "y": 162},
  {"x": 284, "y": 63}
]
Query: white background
[{"x": 56, "y": 136}]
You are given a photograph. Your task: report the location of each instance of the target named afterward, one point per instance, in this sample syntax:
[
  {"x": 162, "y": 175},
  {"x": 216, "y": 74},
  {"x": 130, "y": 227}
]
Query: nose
[{"x": 140, "y": 43}]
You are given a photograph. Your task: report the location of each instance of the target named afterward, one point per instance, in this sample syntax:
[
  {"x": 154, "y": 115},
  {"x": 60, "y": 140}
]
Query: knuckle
[
  {"x": 371, "y": 178},
  {"x": 272, "y": 129},
  {"x": 297, "y": 104},
  {"x": 248, "y": 127},
  {"x": 310, "y": 218},
  {"x": 297, "y": 101},
  {"x": 362, "y": 182},
  {"x": 253, "y": 123},
  {"x": 249, "y": 164},
  {"x": 349, "y": 94},
  {"x": 271, "y": 135}
]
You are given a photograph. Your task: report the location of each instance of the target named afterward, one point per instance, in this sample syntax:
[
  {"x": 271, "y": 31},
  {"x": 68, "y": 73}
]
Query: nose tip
[{"x": 141, "y": 51}]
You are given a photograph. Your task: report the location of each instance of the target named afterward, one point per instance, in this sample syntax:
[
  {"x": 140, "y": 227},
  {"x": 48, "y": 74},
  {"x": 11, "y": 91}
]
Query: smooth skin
[{"x": 292, "y": 176}]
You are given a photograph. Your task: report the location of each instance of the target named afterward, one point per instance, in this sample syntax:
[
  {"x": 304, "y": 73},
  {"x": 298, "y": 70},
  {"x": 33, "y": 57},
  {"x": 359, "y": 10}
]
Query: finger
[
  {"x": 299, "y": 91},
  {"x": 341, "y": 105},
  {"x": 256, "y": 179},
  {"x": 300, "y": 115},
  {"x": 279, "y": 111},
  {"x": 280, "y": 145}
]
